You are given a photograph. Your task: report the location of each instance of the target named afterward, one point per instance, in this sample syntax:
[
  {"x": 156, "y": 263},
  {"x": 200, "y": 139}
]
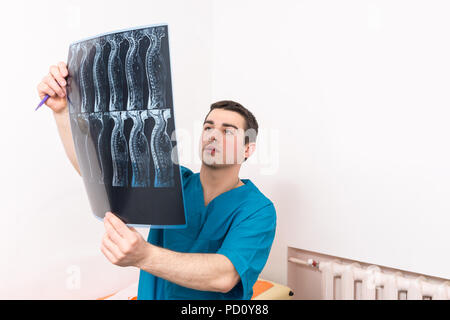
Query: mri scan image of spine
[
  {"x": 84, "y": 118},
  {"x": 121, "y": 115},
  {"x": 162, "y": 148},
  {"x": 119, "y": 150},
  {"x": 154, "y": 65},
  {"x": 161, "y": 145},
  {"x": 100, "y": 117},
  {"x": 134, "y": 69},
  {"x": 119, "y": 146},
  {"x": 139, "y": 152},
  {"x": 74, "y": 90},
  {"x": 138, "y": 144},
  {"x": 75, "y": 109}
]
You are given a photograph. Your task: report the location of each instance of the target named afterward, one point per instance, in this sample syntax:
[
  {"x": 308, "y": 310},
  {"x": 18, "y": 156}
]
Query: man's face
[{"x": 223, "y": 136}]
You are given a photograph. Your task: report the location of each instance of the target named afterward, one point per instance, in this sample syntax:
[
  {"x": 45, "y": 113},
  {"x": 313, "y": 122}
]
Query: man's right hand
[{"x": 54, "y": 84}]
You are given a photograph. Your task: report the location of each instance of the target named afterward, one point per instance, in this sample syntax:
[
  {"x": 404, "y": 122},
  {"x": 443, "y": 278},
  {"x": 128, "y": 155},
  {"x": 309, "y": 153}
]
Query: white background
[
  {"x": 352, "y": 101},
  {"x": 359, "y": 92}
]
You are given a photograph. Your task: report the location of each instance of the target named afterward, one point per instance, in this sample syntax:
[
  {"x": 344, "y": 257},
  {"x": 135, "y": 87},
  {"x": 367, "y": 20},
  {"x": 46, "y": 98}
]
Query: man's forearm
[
  {"x": 63, "y": 123},
  {"x": 200, "y": 271}
]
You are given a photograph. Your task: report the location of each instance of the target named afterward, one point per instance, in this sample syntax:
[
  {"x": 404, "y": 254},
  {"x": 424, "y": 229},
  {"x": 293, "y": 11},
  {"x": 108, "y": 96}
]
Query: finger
[
  {"x": 111, "y": 247},
  {"x": 54, "y": 71},
  {"x": 108, "y": 254},
  {"x": 118, "y": 225},
  {"x": 50, "y": 81},
  {"x": 132, "y": 229},
  {"x": 112, "y": 233},
  {"x": 63, "y": 69},
  {"x": 44, "y": 89}
]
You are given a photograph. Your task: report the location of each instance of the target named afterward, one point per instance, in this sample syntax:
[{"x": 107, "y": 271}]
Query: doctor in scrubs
[{"x": 230, "y": 223}]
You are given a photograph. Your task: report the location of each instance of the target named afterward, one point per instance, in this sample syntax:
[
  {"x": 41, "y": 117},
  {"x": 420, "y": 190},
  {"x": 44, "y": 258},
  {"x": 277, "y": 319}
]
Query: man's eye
[
  {"x": 207, "y": 128},
  {"x": 229, "y": 131}
]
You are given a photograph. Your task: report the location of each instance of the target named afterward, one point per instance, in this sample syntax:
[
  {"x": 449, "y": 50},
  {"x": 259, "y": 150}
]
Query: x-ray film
[{"x": 122, "y": 120}]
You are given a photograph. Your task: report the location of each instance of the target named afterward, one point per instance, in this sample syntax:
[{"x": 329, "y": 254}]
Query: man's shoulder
[
  {"x": 255, "y": 194},
  {"x": 257, "y": 202}
]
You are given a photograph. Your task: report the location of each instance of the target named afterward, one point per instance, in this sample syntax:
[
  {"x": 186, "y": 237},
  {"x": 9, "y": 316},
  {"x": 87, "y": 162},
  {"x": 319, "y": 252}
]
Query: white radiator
[{"x": 353, "y": 282}]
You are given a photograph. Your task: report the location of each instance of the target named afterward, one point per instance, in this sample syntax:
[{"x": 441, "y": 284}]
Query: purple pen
[{"x": 42, "y": 102}]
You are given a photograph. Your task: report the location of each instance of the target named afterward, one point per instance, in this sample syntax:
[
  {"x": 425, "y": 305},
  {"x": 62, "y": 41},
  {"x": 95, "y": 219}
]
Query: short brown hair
[{"x": 250, "y": 120}]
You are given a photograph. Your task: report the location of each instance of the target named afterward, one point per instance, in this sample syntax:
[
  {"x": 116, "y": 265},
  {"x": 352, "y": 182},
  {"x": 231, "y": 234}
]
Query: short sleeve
[{"x": 247, "y": 245}]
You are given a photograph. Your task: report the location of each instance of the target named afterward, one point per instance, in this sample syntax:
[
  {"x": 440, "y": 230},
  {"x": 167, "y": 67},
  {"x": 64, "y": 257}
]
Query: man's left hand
[{"x": 123, "y": 245}]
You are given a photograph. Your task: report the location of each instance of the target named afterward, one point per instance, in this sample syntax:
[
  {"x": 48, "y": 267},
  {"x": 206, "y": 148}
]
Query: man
[{"x": 230, "y": 223}]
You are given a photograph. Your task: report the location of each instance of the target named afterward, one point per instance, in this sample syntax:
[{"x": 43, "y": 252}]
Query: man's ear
[{"x": 249, "y": 149}]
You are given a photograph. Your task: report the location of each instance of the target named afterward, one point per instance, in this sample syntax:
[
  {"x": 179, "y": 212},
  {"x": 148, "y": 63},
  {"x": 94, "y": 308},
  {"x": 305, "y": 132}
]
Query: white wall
[
  {"x": 49, "y": 237},
  {"x": 358, "y": 94},
  {"x": 351, "y": 98}
]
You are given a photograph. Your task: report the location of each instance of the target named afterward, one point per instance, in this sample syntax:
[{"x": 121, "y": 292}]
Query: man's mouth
[{"x": 211, "y": 150}]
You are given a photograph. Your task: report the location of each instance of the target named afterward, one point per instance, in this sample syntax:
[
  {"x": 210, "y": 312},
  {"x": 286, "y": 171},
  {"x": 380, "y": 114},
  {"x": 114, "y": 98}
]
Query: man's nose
[{"x": 213, "y": 136}]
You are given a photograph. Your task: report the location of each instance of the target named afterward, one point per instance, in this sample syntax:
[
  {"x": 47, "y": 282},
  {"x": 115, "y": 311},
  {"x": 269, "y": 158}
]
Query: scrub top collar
[{"x": 244, "y": 187}]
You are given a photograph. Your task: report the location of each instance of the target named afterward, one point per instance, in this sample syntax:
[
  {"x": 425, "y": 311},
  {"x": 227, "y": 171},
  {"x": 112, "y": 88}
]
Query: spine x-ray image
[{"x": 121, "y": 115}]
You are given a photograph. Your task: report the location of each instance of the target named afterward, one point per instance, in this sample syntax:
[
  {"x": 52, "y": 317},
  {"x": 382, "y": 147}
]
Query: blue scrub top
[{"x": 239, "y": 224}]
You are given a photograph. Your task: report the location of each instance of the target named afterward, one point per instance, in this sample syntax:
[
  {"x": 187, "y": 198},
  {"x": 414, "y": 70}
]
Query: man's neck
[{"x": 216, "y": 181}]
